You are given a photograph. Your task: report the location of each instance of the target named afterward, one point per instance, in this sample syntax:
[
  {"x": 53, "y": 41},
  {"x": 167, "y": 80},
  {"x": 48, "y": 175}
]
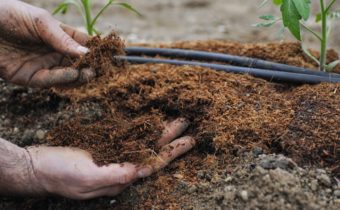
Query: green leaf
[
  {"x": 318, "y": 17},
  {"x": 264, "y": 25},
  {"x": 109, "y": 3},
  {"x": 332, "y": 65},
  {"x": 267, "y": 17},
  {"x": 61, "y": 8},
  {"x": 278, "y": 2},
  {"x": 106, "y": 6},
  {"x": 303, "y": 7},
  {"x": 291, "y": 18},
  {"x": 128, "y": 7}
]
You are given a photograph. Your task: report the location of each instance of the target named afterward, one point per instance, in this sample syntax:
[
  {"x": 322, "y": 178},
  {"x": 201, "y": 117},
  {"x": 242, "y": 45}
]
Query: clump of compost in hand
[{"x": 102, "y": 54}]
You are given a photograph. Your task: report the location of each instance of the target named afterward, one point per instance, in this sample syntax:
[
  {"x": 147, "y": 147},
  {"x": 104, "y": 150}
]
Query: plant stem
[
  {"x": 324, "y": 40},
  {"x": 93, "y": 22},
  {"x": 311, "y": 31},
  {"x": 330, "y": 6},
  {"x": 88, "y": 17}
]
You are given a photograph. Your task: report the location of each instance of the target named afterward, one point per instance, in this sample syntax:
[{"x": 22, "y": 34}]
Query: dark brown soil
[
  {"x": 112, "y": 139},
  {"x": 101, "y": 56},
  {"x": 230, "y": 115},
  {"x": 250, "y": 112}
]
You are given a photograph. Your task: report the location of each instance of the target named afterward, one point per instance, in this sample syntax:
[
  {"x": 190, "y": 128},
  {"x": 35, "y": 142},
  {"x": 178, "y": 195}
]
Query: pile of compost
[{"x": 119, "y": 118}]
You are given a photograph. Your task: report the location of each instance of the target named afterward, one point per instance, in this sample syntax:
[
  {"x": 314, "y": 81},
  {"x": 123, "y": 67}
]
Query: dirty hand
[
  {"x": 33, "y": 46},
  {"x": 71, "y": 172}
]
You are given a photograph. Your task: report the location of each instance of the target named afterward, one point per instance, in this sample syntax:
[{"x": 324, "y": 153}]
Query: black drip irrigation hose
[
  {"x": 271, "y": 75},
  {"x": 224, "y": 58}
]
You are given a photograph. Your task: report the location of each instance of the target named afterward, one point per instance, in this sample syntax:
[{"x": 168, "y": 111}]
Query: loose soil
[
  {"x": 234, "y": 118},
  {"x": 101, "y": 56}
]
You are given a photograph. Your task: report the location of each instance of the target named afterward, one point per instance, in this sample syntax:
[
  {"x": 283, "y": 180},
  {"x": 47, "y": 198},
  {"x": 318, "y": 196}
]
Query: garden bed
[{"x": 234, "y": 118}]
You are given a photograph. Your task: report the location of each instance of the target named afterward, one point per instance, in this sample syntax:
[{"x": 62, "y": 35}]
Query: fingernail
[
  {"x": 82, "y": 49},
  {"x": 142, "y": 173}
]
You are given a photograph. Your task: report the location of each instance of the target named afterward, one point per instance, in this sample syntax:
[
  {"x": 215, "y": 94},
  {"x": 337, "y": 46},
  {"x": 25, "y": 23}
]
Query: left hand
[
  {"x": 71, "y": 172},
  {"x": 33, "y": 45}
]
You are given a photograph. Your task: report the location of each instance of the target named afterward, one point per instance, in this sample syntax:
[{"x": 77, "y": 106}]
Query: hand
[
  {"x": 71, "y": 172},
  {"x": 33, "y": 45}
]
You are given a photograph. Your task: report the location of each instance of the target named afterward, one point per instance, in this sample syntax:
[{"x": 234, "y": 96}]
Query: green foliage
[
  {"x": 294, "y": 13},
  {"x": 277, "y": 2},
  {"x": 84, "y": 7}
]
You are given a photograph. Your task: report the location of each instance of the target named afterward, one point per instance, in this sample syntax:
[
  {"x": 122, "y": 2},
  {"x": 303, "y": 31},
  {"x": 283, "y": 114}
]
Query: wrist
[
  {"x": 17, "y": 172},
  {"x": 34, "y": 186}
]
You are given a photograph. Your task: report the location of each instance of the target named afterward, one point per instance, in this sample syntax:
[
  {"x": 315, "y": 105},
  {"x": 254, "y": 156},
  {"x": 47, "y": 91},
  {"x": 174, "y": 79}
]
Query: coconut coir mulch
[
  {"x": 230, "y": 114},
  {"x": 101, "y": 55},
  {"x": 114, "y": 138}
]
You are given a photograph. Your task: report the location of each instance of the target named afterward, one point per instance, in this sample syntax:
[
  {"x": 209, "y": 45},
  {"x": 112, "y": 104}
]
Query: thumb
[{"x": 51, "y": 33}]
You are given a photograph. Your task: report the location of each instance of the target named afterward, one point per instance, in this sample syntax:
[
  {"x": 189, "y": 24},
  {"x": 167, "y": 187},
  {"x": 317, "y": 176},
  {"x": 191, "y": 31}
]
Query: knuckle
[
  {"x": 66, "y": 39},
  {"x": 39, "y": 83},
  {"x": 41, "y": 15},
  {"x": 125, "y": 179},
  {"x": 86, "y": 183}
]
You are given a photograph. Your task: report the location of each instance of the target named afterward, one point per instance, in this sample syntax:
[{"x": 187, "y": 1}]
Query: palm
[
  {"x": 24, "y": 65},
  {"x": 71, "y": 172},
  {"x": 33, "y": 45}
]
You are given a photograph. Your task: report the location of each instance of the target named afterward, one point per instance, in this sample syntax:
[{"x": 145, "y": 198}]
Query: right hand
[{"x": 33, "y": 45}]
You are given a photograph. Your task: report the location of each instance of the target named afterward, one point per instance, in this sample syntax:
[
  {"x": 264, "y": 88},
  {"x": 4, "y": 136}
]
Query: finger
[
  {"x": 46, "y": 78},
  {"x": 32, "y": 65},
  {"x": 167, "y": 154},
  {"x": 117, "y": 190},
  {"x": 85, "y": 76},
  {"x": 172, "y": 131},
  {"x": 51, "y": 33},
  {"x": 125, "y": 173},
  {"x": 77, "y": 35},
  {"x": 106, "y": 191}
]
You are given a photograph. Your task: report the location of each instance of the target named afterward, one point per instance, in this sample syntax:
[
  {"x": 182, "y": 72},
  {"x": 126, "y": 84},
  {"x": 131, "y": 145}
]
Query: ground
[
  {"x": 237, "y": 167},
  {"x": 176, "y": 20},
  {"x": 233, "y": 165}
]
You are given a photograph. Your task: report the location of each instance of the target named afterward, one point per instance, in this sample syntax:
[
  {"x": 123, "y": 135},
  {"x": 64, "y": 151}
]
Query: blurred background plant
[
  {"x": 174, "y": 20},
  {"x": 85, "y": 8}
]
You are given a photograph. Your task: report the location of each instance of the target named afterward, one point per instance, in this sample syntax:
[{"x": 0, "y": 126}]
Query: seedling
[
  {"x": 295, "y": 14},
  {"x": 84, "y": 7}
]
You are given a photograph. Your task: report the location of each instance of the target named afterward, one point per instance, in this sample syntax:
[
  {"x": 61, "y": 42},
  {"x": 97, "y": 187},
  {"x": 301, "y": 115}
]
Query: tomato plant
[{"x": 295, "y": 13}]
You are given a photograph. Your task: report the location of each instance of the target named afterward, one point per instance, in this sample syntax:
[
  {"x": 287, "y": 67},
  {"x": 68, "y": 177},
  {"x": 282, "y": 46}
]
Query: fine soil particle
[
  {"x": 101, "y": 56},
  {"x": 112, "y": 139},
  {"x": 249, "y": 112},
  {"x": 231, "y": 115}
]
